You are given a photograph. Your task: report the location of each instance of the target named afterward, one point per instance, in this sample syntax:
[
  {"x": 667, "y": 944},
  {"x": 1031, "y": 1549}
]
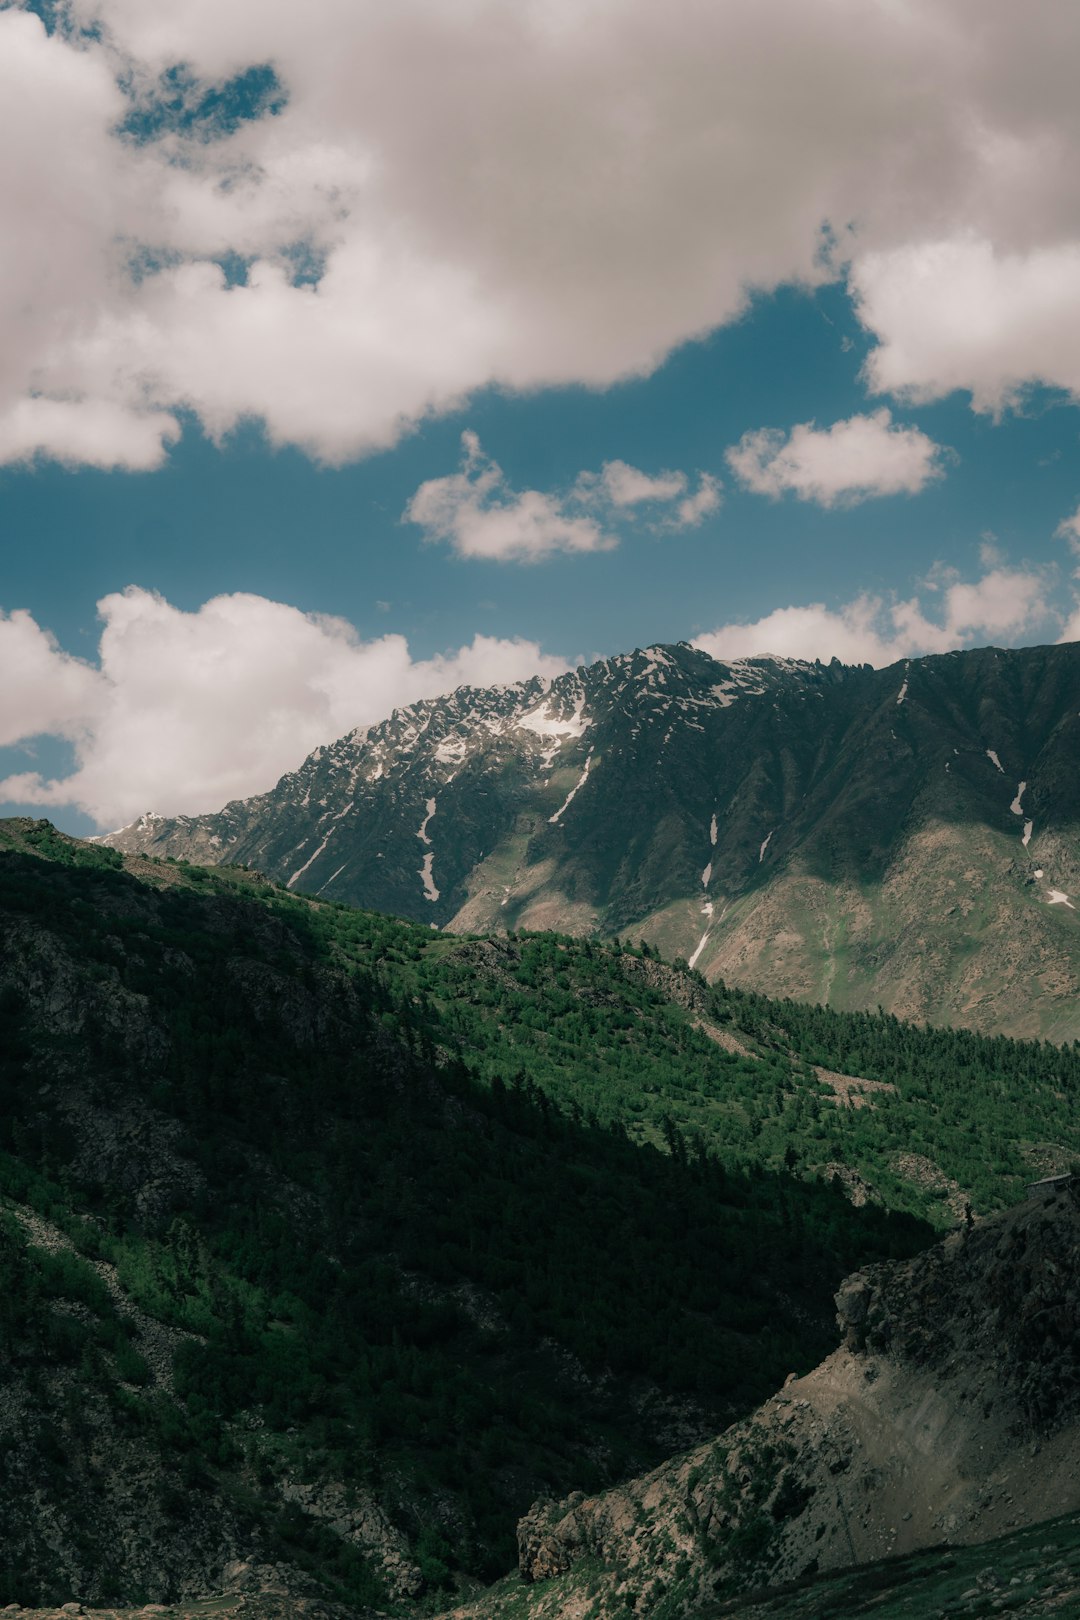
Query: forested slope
[
  {"x": 330, "y": 1243},
  {"x": 285, "y": 1280}
]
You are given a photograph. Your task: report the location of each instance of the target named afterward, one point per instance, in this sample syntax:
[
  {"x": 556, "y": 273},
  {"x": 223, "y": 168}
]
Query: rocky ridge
[
  {"x": 904, "y": 836},
  {"x": 950, "y": 1413}
]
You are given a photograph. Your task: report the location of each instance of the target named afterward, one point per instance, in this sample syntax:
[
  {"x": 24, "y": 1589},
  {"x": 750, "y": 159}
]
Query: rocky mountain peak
[{"x": 901, "y": 836}]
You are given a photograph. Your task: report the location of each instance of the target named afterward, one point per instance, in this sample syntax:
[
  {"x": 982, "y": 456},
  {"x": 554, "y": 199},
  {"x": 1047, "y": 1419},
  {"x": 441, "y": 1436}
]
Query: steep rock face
[
  {"x": 452, "y": 807},
  {"x": 951, "y": 1412},
  {"x": 904, "y": 836}
]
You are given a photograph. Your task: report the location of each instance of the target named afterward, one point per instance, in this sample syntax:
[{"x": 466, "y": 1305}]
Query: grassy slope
[{"x": 736, "y": 1074}]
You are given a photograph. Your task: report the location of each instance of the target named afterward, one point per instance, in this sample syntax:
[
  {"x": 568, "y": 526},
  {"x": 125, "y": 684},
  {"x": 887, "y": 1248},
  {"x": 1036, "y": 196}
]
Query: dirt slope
[{"x": 951, "y": 1413}]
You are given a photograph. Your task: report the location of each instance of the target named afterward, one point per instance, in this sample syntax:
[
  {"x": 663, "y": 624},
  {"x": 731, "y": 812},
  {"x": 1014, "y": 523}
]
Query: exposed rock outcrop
[{"x": 951, "y": 1412}]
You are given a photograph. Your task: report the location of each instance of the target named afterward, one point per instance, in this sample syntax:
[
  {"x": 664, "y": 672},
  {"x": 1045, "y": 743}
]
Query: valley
[
  {"x": 331, "y": 1243},
  {"x": 539, "y": 810}
]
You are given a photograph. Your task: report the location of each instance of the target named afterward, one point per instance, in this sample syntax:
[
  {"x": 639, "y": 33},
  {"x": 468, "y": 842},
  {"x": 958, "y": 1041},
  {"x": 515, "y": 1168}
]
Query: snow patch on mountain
[
  {"x": 544, "y": 723},
  {"x": 332, "y": 876},
  {"x": 707, "y": 909},
  {"x": 451, "y": 750},
  {"x": 430, "y": 891},
  {"x": 1017, "y": 807},
  {"x": 990, "y": 754},
  {"x": 422, "y": 834},
  {"x": 765, "y": 844},
  {"x": 746, "y": 678},
  {"x": 578, "y": 785},
  {"x": 300, "y": 870}
]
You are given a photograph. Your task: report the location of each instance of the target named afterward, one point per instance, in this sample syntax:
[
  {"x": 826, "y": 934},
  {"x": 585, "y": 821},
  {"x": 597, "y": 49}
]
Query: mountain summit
[{"x": 905, "y": 836}]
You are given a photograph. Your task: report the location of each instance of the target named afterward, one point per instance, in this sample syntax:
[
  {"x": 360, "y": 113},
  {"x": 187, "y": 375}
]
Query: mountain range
[{"x": 904, "y": 837}]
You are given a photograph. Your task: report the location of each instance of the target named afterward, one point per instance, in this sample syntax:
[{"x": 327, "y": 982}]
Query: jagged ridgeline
[
  {"x": 905, "y": 837},
  {"x": 330, "y": 1244}
]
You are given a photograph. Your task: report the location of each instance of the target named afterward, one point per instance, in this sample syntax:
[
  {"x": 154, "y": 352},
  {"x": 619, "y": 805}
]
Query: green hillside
[
  {"x": 305, "y": 1207},
  {"x": 376, "y": 1277}
]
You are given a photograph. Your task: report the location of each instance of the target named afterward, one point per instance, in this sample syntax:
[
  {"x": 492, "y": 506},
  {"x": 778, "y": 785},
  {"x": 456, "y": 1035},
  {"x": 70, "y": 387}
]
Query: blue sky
[{"x": 258, "y": 309}]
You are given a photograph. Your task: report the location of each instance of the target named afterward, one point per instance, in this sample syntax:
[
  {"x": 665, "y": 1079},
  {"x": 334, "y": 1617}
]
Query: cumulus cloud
[
  {"x": 188, "y": 710},
  {"x": 961, "y": 313},
  {"x": 477, "y": 512},
  {"x": 1069, "y": 529},
  {"x": 693, "y": 509},
  {"x": 86, "y": 432},
  {"x": 480, "y": 516},
  {"x": 42, "y": 688},
  {"x": 839, "y": 465},
  {"x": 518, "y": 193},
  {"x": 624, "y": 485},
  {"x": 624, "y": 488},
  {"x": 1002, "y": 605}
]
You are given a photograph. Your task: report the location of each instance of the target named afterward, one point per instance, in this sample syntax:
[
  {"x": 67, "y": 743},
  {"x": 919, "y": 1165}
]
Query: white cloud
[
  {"x": 42, "y": 688},
  {"x": 693, "y": 509},
  {"x": 1069, "y": 529},
  {"x": 1003, "y": 604},
  {"x": 840, "y": 465},
  {"x": 518, "y": 193},
  {"x": 189, "y": 710},
  {"x": 87, "y": 432},
  {"x": 480, "y": 516},
  {"x": 623, "y": 488},
  {"x": 624, "y": 485},
  {"x": 961, "y": 313}
]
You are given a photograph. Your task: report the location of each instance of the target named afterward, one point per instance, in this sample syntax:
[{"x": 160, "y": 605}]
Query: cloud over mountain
[
  {"x": 1002, "y": 605},
  {"x": 477, "y": 512},
  {"x": 438, "y": 199},
  {"x": 188, "y": 710}
]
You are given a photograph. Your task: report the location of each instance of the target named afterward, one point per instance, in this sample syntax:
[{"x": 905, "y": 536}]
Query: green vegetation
[
  {"x": 454, "y": 1294},
  {"x": 599, "y": 1031},
  {"x": 442, "y": 1216}
]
